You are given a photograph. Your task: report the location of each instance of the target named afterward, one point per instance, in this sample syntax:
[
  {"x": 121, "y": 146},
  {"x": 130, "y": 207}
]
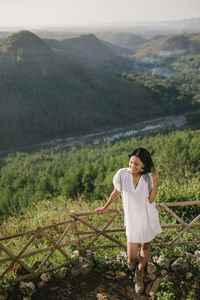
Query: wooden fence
[{"x": 79, "y": 233}]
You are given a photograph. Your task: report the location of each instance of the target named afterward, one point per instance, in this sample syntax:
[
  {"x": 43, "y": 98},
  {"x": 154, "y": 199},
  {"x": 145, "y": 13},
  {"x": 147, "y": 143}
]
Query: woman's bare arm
[
  {"x": 153, "y": 192},
  {"x": 113, "y": 196}
]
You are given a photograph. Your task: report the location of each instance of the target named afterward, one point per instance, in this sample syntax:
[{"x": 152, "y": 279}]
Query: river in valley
[{"x": 154, "y": 125}]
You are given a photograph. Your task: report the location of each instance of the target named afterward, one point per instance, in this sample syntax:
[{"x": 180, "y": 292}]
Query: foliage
[
  {"x": 88, "y": 170},
  {"x": 167, "y": 291},
  {"x": 193, "y": 119},
  {"x": 47, "y": 93}
]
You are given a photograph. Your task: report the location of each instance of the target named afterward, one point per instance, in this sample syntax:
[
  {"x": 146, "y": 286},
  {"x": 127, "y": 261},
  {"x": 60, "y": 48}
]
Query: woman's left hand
[{"x": 155, "y": 177}]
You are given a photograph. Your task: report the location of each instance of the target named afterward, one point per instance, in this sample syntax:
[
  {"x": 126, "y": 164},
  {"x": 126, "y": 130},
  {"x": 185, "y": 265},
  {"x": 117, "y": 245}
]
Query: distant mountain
[
  {"x": 47, "y": 94},
  {"x": 179, "y": 44},
  {"x": 119, "y": 51},
  {"x": 122, "y": 39},
  {"x": 89, "y": 49}
]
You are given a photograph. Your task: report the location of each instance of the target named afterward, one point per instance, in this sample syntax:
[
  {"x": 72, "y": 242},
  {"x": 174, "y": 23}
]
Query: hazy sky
[{"x": 77, "y": 12}]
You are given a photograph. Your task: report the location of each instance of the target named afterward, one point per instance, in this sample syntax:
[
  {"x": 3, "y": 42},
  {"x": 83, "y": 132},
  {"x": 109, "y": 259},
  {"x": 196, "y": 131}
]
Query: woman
[{"x": 138, "y": 188}]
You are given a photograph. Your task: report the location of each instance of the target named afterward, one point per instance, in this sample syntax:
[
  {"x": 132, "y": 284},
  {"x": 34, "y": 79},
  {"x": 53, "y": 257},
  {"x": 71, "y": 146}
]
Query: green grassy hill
[
  {"x": 178, "y": 44},
  {"x": 46, "y": 94}
]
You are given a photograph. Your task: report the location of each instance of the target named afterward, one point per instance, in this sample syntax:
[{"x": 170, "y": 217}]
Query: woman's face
[{"x": 135, "y": 164}]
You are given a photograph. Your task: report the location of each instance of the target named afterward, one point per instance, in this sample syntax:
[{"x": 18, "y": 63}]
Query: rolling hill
[
  {"x": 90, "y": 50},
  {"x": 178, "y": 44},
  {"x": 47, "y": 94}
]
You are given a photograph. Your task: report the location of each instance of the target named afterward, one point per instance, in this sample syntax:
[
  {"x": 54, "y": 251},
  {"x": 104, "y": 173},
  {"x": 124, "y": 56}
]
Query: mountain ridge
[{"x": 55, "y": 95}]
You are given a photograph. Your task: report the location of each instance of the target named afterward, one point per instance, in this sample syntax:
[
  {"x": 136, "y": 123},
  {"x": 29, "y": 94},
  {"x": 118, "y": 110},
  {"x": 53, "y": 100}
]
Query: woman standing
[{"x": 138, "y": 188}]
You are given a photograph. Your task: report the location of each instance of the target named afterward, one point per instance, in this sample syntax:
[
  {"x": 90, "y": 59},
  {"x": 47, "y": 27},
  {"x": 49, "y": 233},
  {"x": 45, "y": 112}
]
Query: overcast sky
[{"x": 86, "y": 12}]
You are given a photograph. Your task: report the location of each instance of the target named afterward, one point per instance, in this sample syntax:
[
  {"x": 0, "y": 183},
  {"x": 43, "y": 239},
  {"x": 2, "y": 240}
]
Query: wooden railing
[{"x": 80, "y": 232}]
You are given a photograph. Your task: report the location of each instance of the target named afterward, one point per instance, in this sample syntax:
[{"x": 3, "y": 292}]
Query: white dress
[{"x": 140, "y": 216}]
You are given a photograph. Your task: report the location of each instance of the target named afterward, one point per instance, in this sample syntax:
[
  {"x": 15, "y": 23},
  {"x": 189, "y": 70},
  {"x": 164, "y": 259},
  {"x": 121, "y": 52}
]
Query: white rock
[
  {"x": 163, "y": 261},
  {"x": 75, "y": 254},
  {"x": 155, "y": 259},
  {"x": 45, "y": 277},
  {"x": 122, "y": 257},
  {"x": 197, "y": 255},
  {"x": 27, "y": 288},
  {"x": 151, "y": 268}
]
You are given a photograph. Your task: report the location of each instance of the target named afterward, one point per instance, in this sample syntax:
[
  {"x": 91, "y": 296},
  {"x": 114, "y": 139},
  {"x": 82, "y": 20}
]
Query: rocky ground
[
  {"x": 109, "y": 279},
  {"x": 91, "y": 286}
]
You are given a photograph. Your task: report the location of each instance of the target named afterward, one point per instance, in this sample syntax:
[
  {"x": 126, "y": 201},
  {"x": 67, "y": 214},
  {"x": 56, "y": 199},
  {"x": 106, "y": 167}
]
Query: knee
[{"x": 146, "y": 246}]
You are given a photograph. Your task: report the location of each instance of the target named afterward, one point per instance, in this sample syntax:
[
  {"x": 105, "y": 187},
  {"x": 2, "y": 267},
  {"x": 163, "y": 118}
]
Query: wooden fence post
[{"x": 72, "y": 215}]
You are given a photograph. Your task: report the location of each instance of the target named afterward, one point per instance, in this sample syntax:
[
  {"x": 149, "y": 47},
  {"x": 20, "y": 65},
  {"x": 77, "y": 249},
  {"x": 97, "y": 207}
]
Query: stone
[
  {"x": 179, "y": 265},
  {"x": 162, "y": 261},
  {"x": 122, "y": 258},
  {"x": 2, "y": 297},
  {"x": 155, "y": 287},
  {"x": 75, "y": 254},
  {"x": 26, "y": 298},
  {"x": 189, "y": 275},
  {"x": 45, "y": 277},
  {"x": 155, "y": 259},
  {"x": 197, "y": 255},
  {"x": 148, "y": 288},
  {"x": 163, "y": 273},
  {"x": 61, "y": 273},
  {"x": 151, "y": 268},
  {"x": 109, "y": 275},
  {"x": 102, "y": 296},
  {"x": 151, "y": 276},
  {"x": 106, "y": 261},
  {"x": 82, "y": 266},
  {"x": 120, "y": 274},
  {"x": 89, "y": 255},
  {"x": 27, "y": 288},
  {"x": 86, "y": 269}
]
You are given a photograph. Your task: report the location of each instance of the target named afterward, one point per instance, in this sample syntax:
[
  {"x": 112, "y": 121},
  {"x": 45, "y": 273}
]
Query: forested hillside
[
  {"x": 46, "y": 94},
  {"x": 92, "y": 51},
  {"x": 177, "y": 44},
  {"x": 87, "y": 171}
]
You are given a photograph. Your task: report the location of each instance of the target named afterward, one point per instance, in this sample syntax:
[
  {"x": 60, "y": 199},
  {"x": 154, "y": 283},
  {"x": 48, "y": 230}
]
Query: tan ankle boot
[
  {"x": 132, "y": 264},
  {"x": 139, "y": 284}
]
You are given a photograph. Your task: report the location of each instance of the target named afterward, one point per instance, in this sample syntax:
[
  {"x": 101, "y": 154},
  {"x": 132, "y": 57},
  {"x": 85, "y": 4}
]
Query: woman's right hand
[{"x": 100, "y": 210}]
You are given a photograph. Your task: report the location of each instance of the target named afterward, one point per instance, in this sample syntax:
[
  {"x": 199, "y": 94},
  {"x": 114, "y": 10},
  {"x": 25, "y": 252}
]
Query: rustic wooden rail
[{"x": 72, "y": 235}]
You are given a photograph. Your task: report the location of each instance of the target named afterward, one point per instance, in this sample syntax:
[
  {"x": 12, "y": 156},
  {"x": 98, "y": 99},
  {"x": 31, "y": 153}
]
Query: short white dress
[{"x": 140, "y": 216}]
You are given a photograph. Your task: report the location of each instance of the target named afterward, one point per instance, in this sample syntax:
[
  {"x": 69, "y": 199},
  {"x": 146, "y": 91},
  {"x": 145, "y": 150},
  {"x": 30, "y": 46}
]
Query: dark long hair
[{"x": 145, "y": 157}]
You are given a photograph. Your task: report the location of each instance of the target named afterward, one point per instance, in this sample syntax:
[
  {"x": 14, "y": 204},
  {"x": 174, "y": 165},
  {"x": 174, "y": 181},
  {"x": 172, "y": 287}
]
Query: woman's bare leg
[
  {"x": 144, "y": 254},
  {"x": 132, "y": 249}
]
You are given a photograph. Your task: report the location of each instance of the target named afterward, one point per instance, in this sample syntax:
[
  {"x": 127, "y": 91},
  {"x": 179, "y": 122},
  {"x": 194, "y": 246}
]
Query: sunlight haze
[{"x": 87, "y": 12}]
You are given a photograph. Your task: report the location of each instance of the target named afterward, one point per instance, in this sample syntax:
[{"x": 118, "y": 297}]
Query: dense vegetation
[
  {"x": 27, "y": 179},
  {"x": 180, "y": 93},
  {"x": 46, "y": 93},
  {"x": 90, "y": 50}
]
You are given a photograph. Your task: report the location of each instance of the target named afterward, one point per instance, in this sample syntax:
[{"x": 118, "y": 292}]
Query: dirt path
[{"x": 90, "y": 287}]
